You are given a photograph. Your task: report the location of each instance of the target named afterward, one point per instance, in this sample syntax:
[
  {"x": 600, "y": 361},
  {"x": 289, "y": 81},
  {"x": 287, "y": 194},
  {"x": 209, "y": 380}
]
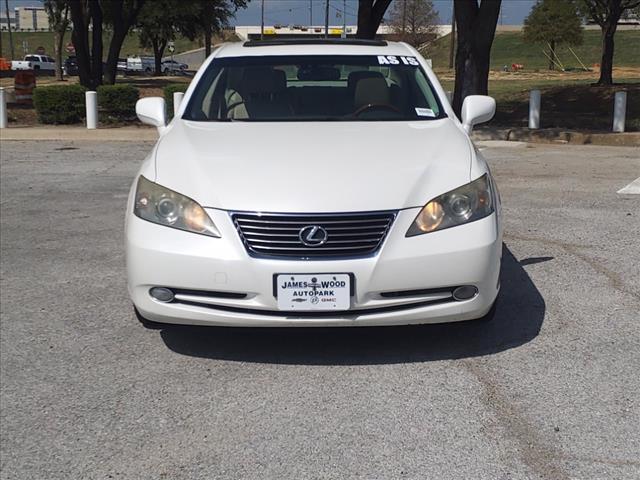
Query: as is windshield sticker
[
  {"x": 395, "y": 60},
  {"x": 424, "y": 112}
]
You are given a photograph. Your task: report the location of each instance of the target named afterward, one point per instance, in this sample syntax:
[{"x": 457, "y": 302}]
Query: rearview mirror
[
  {"x": 151, "y": 111},
  {"x": 477, "y": 109}
]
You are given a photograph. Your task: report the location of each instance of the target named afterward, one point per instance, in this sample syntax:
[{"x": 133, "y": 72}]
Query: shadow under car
[{"x": 518, "y": 319}]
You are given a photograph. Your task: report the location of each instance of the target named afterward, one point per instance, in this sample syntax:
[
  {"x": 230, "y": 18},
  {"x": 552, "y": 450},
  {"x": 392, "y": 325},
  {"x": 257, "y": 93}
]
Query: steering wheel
[{"x": 369, "y": 106}]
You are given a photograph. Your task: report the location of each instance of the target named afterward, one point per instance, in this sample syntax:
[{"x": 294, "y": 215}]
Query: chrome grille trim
[{"x": 276, "y": 235}]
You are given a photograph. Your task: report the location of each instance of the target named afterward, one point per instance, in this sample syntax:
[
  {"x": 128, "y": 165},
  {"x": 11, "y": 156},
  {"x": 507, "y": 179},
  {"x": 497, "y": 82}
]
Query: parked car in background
[
  {"x": 5, "y": 64},
  {"x": 35, "y": 62},
  {"x": 171, "y": 66},
  {"x": 121, "y": 66},
  {"x": 141, "y": 65},
  {"x": 70, "y": 66}
]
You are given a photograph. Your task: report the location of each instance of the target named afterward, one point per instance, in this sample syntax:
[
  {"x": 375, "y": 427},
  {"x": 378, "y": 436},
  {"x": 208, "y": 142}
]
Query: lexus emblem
[{"x": 313, "y": 235}]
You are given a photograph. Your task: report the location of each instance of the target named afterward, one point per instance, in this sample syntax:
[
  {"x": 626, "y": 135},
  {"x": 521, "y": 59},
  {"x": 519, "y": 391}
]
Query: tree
[
  {"x": 552, "y": 23},
  {"x": 413, "y": 21},
  {"x": 58, "y": 13},
  {"x": 607, "y": 13},
  {"x": 121, "y": 15},
  {"x": 370, "y": 15},
  {"x": 89, "y": 16},
  {"x": 158, "y": 23},
  {"x": 212, "y": 16},
  {"x": 476, "y": 29}
]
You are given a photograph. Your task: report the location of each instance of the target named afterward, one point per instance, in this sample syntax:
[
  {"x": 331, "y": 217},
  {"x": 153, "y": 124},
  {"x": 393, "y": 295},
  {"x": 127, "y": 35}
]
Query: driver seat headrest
[{"x": 373, "y": 90}]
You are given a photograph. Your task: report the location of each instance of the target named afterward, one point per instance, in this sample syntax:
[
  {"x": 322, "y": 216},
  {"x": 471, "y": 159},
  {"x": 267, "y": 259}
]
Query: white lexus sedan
[{"x": 314, "y": 183}]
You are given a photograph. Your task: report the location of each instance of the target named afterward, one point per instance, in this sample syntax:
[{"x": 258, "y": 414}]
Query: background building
[{"x": 26, "y": 19}]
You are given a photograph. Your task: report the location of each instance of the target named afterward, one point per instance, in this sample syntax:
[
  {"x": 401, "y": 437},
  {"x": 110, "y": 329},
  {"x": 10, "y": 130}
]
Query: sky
[
  {"x": 287, "y": 12},
  {"x": 297, "y": 11}
]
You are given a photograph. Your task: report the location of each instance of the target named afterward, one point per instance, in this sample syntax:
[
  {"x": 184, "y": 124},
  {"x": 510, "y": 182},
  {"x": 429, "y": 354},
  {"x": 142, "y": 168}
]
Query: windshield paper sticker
[
  {"x": 424, "y": 112},
  {"x": 394, "y": 60}
]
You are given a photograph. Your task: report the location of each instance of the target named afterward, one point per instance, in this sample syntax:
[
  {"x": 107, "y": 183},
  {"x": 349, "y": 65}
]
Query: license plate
[{"x": 326, "y": 291}]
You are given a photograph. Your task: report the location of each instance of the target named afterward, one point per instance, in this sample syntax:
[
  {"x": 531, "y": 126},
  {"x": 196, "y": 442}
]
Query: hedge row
[
  {"x": 117, "y": 103},
  {"x": 169, "y": 90},
  {"x": 61, "y": 104},
  {"x": 64, "y": 104}
]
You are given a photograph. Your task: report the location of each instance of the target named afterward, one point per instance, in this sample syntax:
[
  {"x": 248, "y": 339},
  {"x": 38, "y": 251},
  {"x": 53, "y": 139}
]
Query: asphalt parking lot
[{"x": 550, "y": 389}]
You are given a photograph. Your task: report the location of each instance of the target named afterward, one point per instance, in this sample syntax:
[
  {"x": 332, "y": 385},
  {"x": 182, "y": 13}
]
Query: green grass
[
  {"x": 509, "y": 48},
  {"x": 131, "y": 45},
  {"x": 570, "y": 104}
]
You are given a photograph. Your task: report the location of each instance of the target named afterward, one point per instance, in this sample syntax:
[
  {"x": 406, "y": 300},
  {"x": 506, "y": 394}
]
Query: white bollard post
[
  {"x": 177, "y": 100},
  {"x": 91, "y": 99},
  {"x": 4, "y": 117},
  {"x": 534, "y": 108},
  {"x": 619, "y": 111}
]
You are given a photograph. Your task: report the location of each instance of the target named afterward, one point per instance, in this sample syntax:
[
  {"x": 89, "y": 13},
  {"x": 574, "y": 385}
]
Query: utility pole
[
  {"x": 262, "y": 23},
  {"x": 452, "y": 46},
  {"x": 404, "y": 19},
  {"x": 310, "y": 13},
  {"x": 326, "y": 19},
  {"x": 344, "y": 19},
  {"x": 6, "y": 4}
]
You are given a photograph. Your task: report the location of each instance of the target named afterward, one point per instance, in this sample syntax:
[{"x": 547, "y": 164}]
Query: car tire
[{"x": 148, "y": 324}]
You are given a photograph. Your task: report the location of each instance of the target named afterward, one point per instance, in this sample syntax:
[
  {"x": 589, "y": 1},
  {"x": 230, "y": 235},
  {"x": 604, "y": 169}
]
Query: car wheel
[
  {"x": 147, "y": 71},
  {"x": 148, "y": 324}
]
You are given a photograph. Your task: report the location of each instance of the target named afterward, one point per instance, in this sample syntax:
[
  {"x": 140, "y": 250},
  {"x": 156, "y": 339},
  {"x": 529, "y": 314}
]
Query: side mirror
[
  {"x": 477, "y": 109},
  {"x": 151, "y": 110}
]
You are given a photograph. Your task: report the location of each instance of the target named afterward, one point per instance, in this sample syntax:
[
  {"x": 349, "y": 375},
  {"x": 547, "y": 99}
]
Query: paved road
[{"x": 549, "y": 390}]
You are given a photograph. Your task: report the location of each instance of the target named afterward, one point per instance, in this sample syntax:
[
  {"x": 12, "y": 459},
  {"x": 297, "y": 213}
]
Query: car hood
[{"x": 316, "y": 167}]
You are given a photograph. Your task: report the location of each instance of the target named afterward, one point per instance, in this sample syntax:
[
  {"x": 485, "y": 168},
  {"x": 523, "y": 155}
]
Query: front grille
[{"x": 347, "y": 234}]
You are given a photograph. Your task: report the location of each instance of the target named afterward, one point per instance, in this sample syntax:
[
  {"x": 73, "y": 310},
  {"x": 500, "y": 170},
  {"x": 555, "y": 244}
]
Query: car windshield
[{"x": 314, "y": 88}]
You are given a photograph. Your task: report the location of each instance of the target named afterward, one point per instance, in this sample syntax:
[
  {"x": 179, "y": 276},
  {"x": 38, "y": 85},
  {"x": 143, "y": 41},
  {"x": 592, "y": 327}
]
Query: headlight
[
  {"x": 160, "y": 205},
  {"x": 465, "y": 204}
]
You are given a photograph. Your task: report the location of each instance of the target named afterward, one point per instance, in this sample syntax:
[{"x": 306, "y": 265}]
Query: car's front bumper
[{"x": 464, "y": 255}]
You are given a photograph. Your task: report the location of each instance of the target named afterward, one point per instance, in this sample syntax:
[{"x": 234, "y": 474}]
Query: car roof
[{"x": 313, "y": 47}]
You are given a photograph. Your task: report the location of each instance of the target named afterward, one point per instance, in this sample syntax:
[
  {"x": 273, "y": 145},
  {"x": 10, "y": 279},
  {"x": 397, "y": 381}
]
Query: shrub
[
  {"x": 117, "y": 103},
  {"x": 169, "y": 90},
  {"x": 59, "y": 104}
]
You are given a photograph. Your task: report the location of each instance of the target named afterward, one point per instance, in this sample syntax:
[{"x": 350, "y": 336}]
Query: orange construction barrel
[{"x": 24, "y": 83}]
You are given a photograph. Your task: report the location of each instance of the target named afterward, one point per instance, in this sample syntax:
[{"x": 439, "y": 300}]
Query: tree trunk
[
  {"x": 121, "y": 26},
  {"x": 452, "y": 44},
  {"x": 58, "y": 39},
  {"x": 552, "y": 47},
  {"x": 476, "y": 29},
  {"x": 79, "y": 37},
  {"x": 370, "y": 14},
  {"x": 13, "y": 53},
  {"x": 606, "y": 63},
  {"x": 158, "y": 51},
  {"x": 95, "y": 11},
  {"x": 59, "y": 42},
  {"x": 207, "y": 41}
]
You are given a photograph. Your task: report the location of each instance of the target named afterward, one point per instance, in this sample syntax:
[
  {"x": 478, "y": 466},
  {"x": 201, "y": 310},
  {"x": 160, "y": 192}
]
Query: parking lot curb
[
  {"x": 555, "y": 135},
  {"x": 63, "y": 133}
]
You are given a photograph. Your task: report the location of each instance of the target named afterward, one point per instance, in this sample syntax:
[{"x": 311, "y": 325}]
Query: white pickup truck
[
  {"x": 144, "y": 65},
  {"x": 35, "y": 62}
]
